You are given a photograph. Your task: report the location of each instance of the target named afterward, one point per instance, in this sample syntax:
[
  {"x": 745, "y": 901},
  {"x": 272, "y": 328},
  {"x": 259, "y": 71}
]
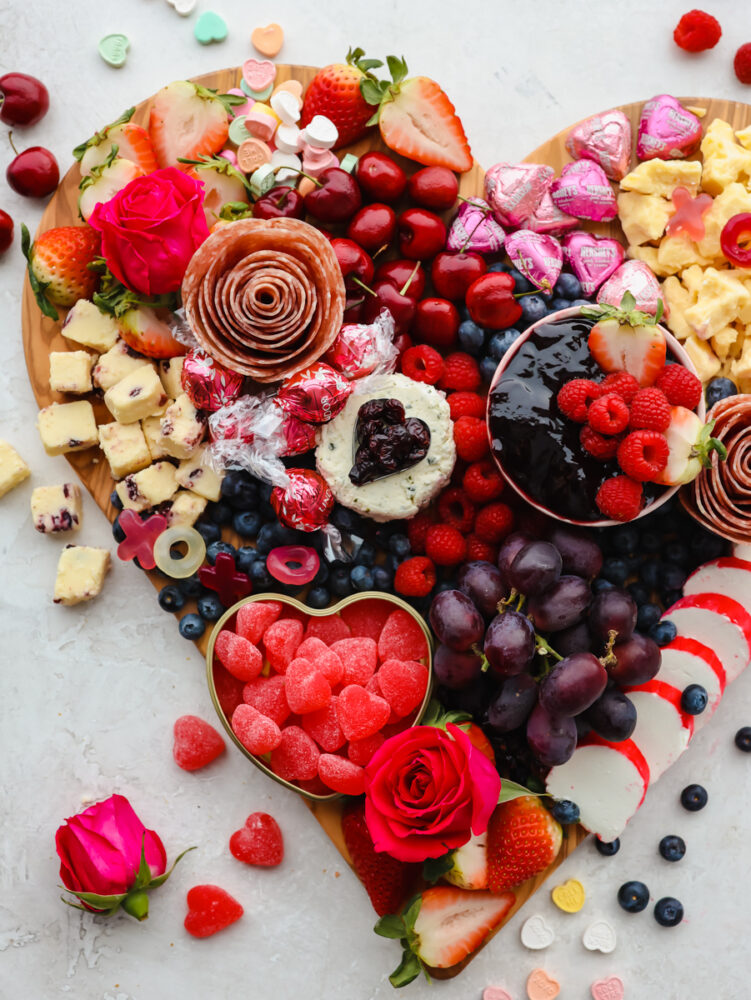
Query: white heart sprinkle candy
[
  {"x": 286, "y": 106},
  {"x": 599, "y": 936},
  {"x": 183, "y": 7},
  {"x": 320, "y": 132},
  {"x": 536, "y": 933},
  {"x": 287, "y": 139}
]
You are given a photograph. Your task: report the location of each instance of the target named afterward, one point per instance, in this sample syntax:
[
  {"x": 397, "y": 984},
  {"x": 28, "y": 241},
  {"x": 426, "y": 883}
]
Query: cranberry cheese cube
[
  {"x": 170, "y": 372},
  {"x": 152, "y": 431},
  {"x": 80, "y": 574},
  {"x": 196, "y": 474},
  {"x": 85, "y": 324},
  {"x": 13, "y": 469},
  {"x": 113, "y": 366},
  {"x": 138, "y": 395},
  {"x": 182, "y": 428},
  {"x": 124, "y": 447},
  {"x": 70, "y": 371},
  {"x": 56, "y": 508},
  {"x": 149, "y": 487},
  {"x": 186, "y": 508},
  {"x": 65, "y": 427}
]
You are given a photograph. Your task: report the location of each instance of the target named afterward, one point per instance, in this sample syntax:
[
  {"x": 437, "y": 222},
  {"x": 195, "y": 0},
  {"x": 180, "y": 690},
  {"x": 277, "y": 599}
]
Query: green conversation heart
[
  {"x": 210, "y": 27},
  {"x": 114, "y": 49}
]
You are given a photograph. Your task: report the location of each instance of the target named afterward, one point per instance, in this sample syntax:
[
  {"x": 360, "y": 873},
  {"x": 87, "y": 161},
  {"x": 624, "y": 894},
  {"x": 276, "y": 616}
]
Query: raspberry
[
  {"x": 445, "y": 545},
  {"x": 466, "y": 404},
  {"x": 422, "y": 364},
  {"x": 471, "y": 438},
  {"x": 742, "y": 63},
  {"x": 608, "y": 414},
  {"x": 482, "y": 482},
  {"x": 477, "y": 549},
  {"x": 460, "y": 372},
  {"x": 599, "y": 447},
  {"x": 456, "y": 510},
  {"x": 620, "y": 498},
  {"x": 417, "y": 529},
  {"x": 697, "y": 31},
  {"x": 623, "y": 384},
  {"x": 575, "y": 396},
  {"x": 650, "y": 411},
  {"x": 681, "y": 387},
  {"x": 643, "y": 455},
  {"x": 494, "y": 522},
  {"x": 415, "y": 577}
]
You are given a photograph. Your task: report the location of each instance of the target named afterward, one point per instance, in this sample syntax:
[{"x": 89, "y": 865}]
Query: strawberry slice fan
[{"x": 470, "y": 679}]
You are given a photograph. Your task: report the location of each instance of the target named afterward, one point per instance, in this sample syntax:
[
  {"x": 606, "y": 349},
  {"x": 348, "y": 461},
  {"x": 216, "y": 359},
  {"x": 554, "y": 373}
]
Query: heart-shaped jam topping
[{"x": 386, "y": 441}]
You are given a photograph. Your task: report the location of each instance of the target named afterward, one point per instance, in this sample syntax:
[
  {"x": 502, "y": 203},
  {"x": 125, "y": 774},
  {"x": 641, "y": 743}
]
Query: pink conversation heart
[
  {"x": 474, "y": 228},
  {"x": 606, "y": 139},
  {"x": 495, "y": 993},
  {"x": 667, "y": 130},
  {"x": 537, "y": 256},
  {"x": 607, "y": 989},
  {"x": 584, "y": 190},
  {"x": 514, "y": 191},
  {"x": 592, "y": 259},
  {"x": 258, "y": 73},
  {"x": 548, "y": 218},
  {"x": 634, "y": 276}
]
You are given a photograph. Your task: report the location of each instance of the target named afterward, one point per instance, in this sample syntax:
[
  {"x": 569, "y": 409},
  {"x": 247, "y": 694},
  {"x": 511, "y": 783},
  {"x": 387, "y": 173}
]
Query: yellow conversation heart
[{"x": 569, "y": 896}]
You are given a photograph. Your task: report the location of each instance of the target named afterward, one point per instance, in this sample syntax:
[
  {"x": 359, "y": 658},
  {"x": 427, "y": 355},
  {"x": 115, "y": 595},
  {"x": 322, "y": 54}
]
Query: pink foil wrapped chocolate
[
  {"x": 548, "y": 218},
  {"x": 584, "y": 190},
  {"x": 606, "y": 139},
  {"x": 667, "y": 130},
  {"x": 305, "y": 502},
  {"x": 592, "y": 259},
  {"x": 634, "y": 276},
  {"x": 315, "y": 394},
  {"x": 475, "y": 228},
  {"x": 514, "y": 191},
  {"x": 363, "y": 348},
  {"x": 209, "y": 385},
  {"x": 537, "y": 256}
]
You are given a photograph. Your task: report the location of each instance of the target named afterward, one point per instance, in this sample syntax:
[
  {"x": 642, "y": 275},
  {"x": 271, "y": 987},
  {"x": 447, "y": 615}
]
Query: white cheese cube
[
  {"x": 152, "y": 431},
  {"x": 186, "y": 508},
  {"x": 65, "y": 427},
  {"x": 13, "y": 469},
  {"x": 181, "y": 428},
  {"x": 138, "y": 395},
  {"x": 80, "y": 574},
  {"x": 124, "y": 447},
  {"x": 70, "y": 371},
  {"x": 702, "y": 356},
  {"x": 56, "y": 508},
  {"x": 87, "y": 325},
  {"x": 170, "y": 372},
  {"x": 196, "y": 474},
  {"x": 149, "y": 487},
  {"x": 113, "y": 366}
]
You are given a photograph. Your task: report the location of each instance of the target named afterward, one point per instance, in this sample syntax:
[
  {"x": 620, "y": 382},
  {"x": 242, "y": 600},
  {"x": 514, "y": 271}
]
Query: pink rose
[
  {"x": 151, "y": 229},
  {"x": 427, "y": 790}
]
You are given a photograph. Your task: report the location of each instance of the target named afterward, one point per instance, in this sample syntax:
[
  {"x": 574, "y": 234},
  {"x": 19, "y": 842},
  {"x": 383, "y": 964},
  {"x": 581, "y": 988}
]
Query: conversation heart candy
[
  {"x": 633, "y": 276},
  {"x": 495, "y": 993},
  {"x": 210, "y": 27},
  {"x": 286, "y": 106},
  {"x": 268, "y": 40},
  {"x": 667, "y": 130},
  {"x": 541, "y": 986},
  {"x": 320, "y": 132},
  {"x": 599, "y": 936},
  {"x": 592, "y": 259},
  {"x": 183, "y": 7},
  {"x": 548, "y": 218},
  {"x": 258, "y": 73},
  {"x": 569, "y": 896},
  {"x": 607, "y": 989},
  {"x": 114, "y": 49},
  {"x": 604, "y": 138},
  {"x": 514, "y": 191},
  {"x": 537, "y": 256},
  {"x": 536, "y": 933},
  {"x": 475, "y": 228},
  {"x": 584, "y": 190}
]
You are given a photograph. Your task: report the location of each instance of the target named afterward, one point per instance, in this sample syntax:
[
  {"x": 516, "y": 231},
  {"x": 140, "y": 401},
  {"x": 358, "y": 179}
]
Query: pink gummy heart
[
  {"x": 361, "y": 713},
  {"x": 495, "y": 993},
  {"x": 229, "y": 689},
  {"x": 257, "y": 733},
  {"x": 361, "y": 751},
  {"x": 306, "y": 687},
  {"x": 280, "y": 641},
  {"x": 255, "y": 617},
  {"x": 537, "y": 256},
  {"x": 402, "y": 638},
  {"x": 475, "y": 228},
  {"x": 584, "y": 190},
  {"x": 607, "y": 989},
  {"x": 606, "y": 139},
  {"x": 195, "y": 743},
  {"x": 242, "y": 658},
  {"x": 324, "y": 727},
  {"x": 341, "y": 775},
  {"x": 258, "y": 73},
  {"x": 636, "y": 277},
  {"x": 667, "y": 130},
  {"x": 592, "y": 259},
  {"x": 266, "y": 695},
  {"x": 259, "y": 842},
  {"x": 210, "y": 910},
  {"x": 296, "y": 757},
  {"x": 403, "y": 684},
  {"x": 359, "y": 657}
]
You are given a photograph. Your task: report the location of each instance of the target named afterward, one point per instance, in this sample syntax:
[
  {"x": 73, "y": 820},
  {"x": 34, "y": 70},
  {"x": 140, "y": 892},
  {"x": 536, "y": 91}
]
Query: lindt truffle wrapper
[
  {"x": 514, "y": 191},
  {"x": 584, "y": 190},
  {"x": 636, "y": 277},
  {"x": 667, "y": 130},
  {"x": 209, "y": 385},
  {"x": 365, "y": 348},
  {"x": 315, "y": 394},
  {"x": 548, "y": 218},
  {"x": 299, "y": 436},
  {"x": 305, "y": 502},
  {"x": 475, "y": 228},
  {"x": 606, "y": 139},
  {"x": 537, "y": 256},
  {"x": 592, "y": 259}
]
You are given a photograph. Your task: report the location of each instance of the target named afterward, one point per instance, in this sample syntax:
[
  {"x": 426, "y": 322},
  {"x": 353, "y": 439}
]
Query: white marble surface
[{"x": 90, "y": 693}]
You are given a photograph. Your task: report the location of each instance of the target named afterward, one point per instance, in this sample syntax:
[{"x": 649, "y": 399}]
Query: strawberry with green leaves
[
  {"x": 626, "y": 339},
  {"x": 132, "y": 143},
  {"x": 222, "y": 183},
  {"x": 188, "y": 121},
  {"x": 388, "y": 882},
  {"x": 690, "y": 445},
  {"x": 59, "y": 272},
  {"x": 336, "y": 93},
  {"x": 105, "y": 181}
]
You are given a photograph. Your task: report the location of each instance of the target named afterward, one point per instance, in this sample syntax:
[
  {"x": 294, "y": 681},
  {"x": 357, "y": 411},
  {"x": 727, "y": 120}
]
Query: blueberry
[
  {"x": 668, "y": 911},
  {"x": 445, "y": 585},
  {"x": 247, "y": 523},
  {"x": 488, "y": 368},
  {"x": 600, "y": 585},
  {"x": 238, "y": 490},
  {"x": 344, "y": 519},
  {"x": 672, "y": 848},
  {"x": 498, "y": 267},
  {"x": 663, "y": 632},
  {"x": 719, "y": 388},
  {"x": 339, "y": 582},
  {"x": 117, "y": 532},
  {"x": 706, "y": 546},
  {"x": 266, "y": 538},
  {"x": 115, "y": 500},
  {"x": 640, "y": 594},
  {"x": 318, "y": 597},
  {"x": 534, "y": 307},
  {"x": 743, "y": 739},
  {"x": 648, "y": 573},
  {"x": 608, "y": 847},
  {"x": 671, "y": 577},
  {"x": 625, "y": 539},
  {"x": 190, "y": 586},
  {"x": 559, "y": 303},
  {"x": 694, "y": 699},
  {"x": 399, "y": 545},
  {"x": 210, "y": 607},
  {"x": 568, "y": 286},
  {"x": 471, "y": 337},
  {"x": 220, "y": 513},
  {"x": 633, "y": 897},
  {"x": 581, "y": 302},
  {"x": 267, "y": 512},
  {"x": 213, "y": 550},
  {"x": 208, "y": 531},
  {"x": 361, "y": 578},
  {"x": 499, "y": 343},
  {"x": 651, "y": 541},
  {"x": 521, "y": 284},
  {"x": 192, "y": 626},
  {"x": 260, "y": 575},
  {"x": 246, "y": 556},
  {"x": 565, "y": 811},
  {"x": 264, "y": 491},
  {"x": 694, "y": 797},
  {"x": 366, "y": 555},
  {"x": 171, "y": 599},
  {"x": 615, "y": 570},
  {"x": 677, "y": 553},
  {"x": 382, "y": 578},
  {"x": 647, "y": 616},
  {"x": 321, "y": 576}
]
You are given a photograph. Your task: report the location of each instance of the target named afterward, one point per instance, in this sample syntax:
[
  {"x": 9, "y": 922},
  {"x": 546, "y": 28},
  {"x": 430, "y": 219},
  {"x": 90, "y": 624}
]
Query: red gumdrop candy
[
  {"x": 296, "y": 757},
  {"x": 402, "y": 638},
  {"x": 316, "y": 650},
  {"x": 324, "y": 727},
  {"x": 280, "y": 641},
  {"x": 360, "y": 658},
  {"x": 229, "y": 689},
  {"x": 279, "y": 560},
  {"x": 313, "y": 785},
  {"x": 341, "y": 775},
  {"x": 403, "y": 684},
  {"x": 140, "y": 537},
  {"x": 196, "y": 743},
  {"x": 257, "y": 733},
  {"x": 735, "y": 239},
  {"x": 689, "y": 214},
  {"x": 361, "y": 751},
  {"x": 306, "y": 687},
  {"x": 210, "y": 910},
  {"x": 361, "y": 713},
  {"x": 259, "y": 842},
  {"x": 329, "y": 629},
  {"x": 266, "y": 695},
  {"x": 239, "y": 656},
  {"x": 373, "y": 686},
  {"x": 255, "y": 617},
  {"x": 367, "y": 618}
]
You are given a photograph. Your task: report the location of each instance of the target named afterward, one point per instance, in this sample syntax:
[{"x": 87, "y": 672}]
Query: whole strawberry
[
  {"x": 335, "y": 93},
  {"x": 58, "y": 266},
  {"x": 523, "y": 839},
  {"x": 387, "y": 881}
]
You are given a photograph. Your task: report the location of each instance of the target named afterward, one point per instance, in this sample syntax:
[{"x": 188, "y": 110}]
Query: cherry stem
[
  {"x": 408, "y": 282},
  {"x": 302, "y": 174},
  {"x": 485, "y": 213},
  {"x": 534, "y": 291},
  {"x": 12, "y": 145},
  {"x": 365, "y": 288},
  {"x": 608, "y": 658}
]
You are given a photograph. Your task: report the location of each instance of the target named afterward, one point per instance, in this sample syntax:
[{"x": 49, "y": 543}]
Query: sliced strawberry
[
  {"x": 132, "y": 143},
  {"x": 104, "y": 182},
  {"x": 523, "y": 839},
  {"x": 146, "y": 331},
  {"x": 223, "y": 185},
  {"x": 638, "y": 350},
  {"x": 188, "y": 121},
  {"x": 691, "y": 446},
  {"x": 388, "y": 882}
]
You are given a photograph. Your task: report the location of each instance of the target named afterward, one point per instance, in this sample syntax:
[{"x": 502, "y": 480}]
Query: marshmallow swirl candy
[{"x": 265, "y": 297}]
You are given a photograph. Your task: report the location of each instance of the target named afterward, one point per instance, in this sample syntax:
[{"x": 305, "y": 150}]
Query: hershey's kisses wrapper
[
  {"x": 209, "y": 385},
  {"x": 592, "y": 259},
  {"x": 515, "y": 190},
  {"x": 584, "y": 190},
  {"x": 636, "y": 277},
  {"x": 305, "y": 502},
  {"x": 606, "y": 139},
  {"x": 548, "y": 218},
  {"x": 537, "y": 256},
  {"x": 475, "y": 228},
  {"x": 667, "y": 130},
  {"x": 315, "y": 394},
  {"x": 365, "y": 348}
]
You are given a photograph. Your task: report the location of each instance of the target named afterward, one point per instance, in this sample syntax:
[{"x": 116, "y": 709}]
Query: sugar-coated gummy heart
[
  {"x": 360, "y": 713},
  {"x": 584, "y": 190},
  {"x": 296, "y": 757},
  {"x": 403, "y": 684},
  {"x": 592, "y": 259},
  {"x": 114, "y": 49},
  {"x": 240, "y": 657},
  {"x": 257, "y": 733},
  {"x": 258, "y": 842},
  {"x": 541, "y": 986},
  {"x": 359, "y": 657},
  {"x": 607, "y": 989},
  {"x": 280, "y": 641},
  {"x": 361, "y": 751},
  {"x": 229, "y": 689},
  {"x": 327, "y": 661},
  {"x": 341, "y": 775},
  {"x": 537, "y": 256},
  {"x": 259, "y": 73},
  {"x": 210, "y": 27},
  {"x": 373, "y": 686},
  {"x": 569, "y": 896},
  {"x": 254, "y": 618},
  {"x": 323, "y": 726},
  {"x": 536, "y": 933},
  {"x": 402, "y": 638},
  {"x": 267, "y": 696},
  {"x": 210, "y": 910},
  {"x": 306, "y": 687},
  {"x": 367, "y": 618},
  {"x": 667, "y": 130},
  {"x": 329, "y": 629},
  {"x": 195, "y": 743},
  {"x": 314, "y": 786},
  {"x": 606, "y": 139}
]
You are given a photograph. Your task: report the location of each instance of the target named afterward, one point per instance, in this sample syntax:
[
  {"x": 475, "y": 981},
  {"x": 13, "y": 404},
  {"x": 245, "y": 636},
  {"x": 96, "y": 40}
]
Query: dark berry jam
[
  {"x": 385, "y": 441},
  {"x": 536, "y": 445}
]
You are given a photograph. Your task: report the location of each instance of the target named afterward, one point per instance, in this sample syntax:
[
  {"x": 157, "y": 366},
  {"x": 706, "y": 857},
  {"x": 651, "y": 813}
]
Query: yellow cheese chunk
[
  {"x": 186, "y": 508},
  {"x": 720, "y": 301},
  {"x": 124, "y": 447},
  {"x": 649, "y": 256},
  {"x": 643, "y": 216},
  {"x": 149, "y": 487},
  {"x": 678, "y": 299},
  {"x": 65, "y": 427},
  {"x": 56, "y": 508},
  {"x": 702, "y": 356},
  {"x": 744, "y": 137},
  {"x": 740, "y": 369},
  {"x": 663, "y": 177},
  {"x": 86, "y": 325},
  {"x": 692, "y": 278},
  {"x": 676, "y": 253},
  {"x": 724, "y": 160},
  {"x": 196, "y": 474},
  {"x": 170, "y": 372},
  {"x": 138, "y": 395},
  {"x": 181, "y": 428},
  {"x": 724, "y": 340},
  {"x": 70, "y": 371}
]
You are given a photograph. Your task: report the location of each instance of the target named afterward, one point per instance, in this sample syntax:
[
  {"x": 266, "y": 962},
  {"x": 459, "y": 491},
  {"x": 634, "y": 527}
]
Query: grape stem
[
  {"x": 506, "y": 603},
  {"x": 609, "y": 659},
  {"x": 544, "y": 648},
  {"x": 485, "y": 661}
]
